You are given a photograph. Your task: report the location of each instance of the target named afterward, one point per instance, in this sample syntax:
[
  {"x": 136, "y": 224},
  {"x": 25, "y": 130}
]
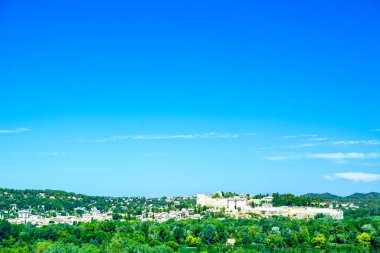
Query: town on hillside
[{"x": 56, "y": 207}]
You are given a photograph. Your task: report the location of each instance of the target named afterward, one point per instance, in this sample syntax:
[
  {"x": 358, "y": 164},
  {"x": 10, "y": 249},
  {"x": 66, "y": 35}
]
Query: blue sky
[{"x": 173, "y": 98}]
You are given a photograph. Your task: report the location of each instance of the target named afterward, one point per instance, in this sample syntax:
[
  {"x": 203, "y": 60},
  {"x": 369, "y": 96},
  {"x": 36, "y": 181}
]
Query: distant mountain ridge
[
  {"x": 329, "y": 196},
  {"x": 370, "y": 195},
  {"x": 62, "y": 193},
  {"x": 325, "y": 196}
]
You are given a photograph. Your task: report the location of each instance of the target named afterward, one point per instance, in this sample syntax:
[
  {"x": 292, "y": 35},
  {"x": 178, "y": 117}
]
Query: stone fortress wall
[
  {"x": 241, "y": 205},
  {"x": 207, "y": 200}
]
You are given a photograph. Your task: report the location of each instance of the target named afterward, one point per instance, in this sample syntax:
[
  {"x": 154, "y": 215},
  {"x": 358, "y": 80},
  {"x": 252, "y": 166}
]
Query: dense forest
[{"x": 278, "y": 234}]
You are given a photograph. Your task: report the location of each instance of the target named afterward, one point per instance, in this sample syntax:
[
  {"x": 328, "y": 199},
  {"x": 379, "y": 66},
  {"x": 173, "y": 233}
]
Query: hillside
[
  {"x": 370, "y": 195},
  {"x": 127, "y": 230},
  {"x": 355, "y": 196},
  {"x": 325, "y": 196},
  {"x": 48, "y": 201}
]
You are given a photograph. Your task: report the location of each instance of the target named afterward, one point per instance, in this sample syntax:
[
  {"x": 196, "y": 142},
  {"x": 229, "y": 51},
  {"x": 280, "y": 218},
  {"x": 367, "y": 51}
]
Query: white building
[
  {"x": 23, "y": 214},
  {"x": 230, "y": 204},
  {"x": 240, "y": 204}
]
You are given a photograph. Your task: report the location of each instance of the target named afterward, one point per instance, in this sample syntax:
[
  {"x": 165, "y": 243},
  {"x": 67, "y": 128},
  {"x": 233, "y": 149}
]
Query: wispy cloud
[
  {"x": 309, "y": 140},
  {"x": 210, "y": 135},
  {"x": 343, "y": 156},
  {"x": 304, "y": 145},
  {"x": 45, "y": 153},
  {"x": 354, "y": 176},
  {"x": 375, "y": 130},
  {"x": 278, "y": 158},
  {"x": 55, "y": 154},
  {"x": 13, "y": 131},
  {"x": 370, "y": 164},
  {"x": 312, "y": 142},
  {"x": 338, "y": 156},
  {"x": 328, "y": 177},
  {"x": 318, "y": 139},
  {"x": 299, "y": 136},
  {"x": 356, "y": 142}
]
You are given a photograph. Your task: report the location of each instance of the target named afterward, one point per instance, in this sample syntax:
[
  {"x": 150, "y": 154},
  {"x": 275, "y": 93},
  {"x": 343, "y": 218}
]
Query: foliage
[
  {"x": 358, "y": 232},
  {"x": 48, "y": 203},
  {"x": 277, "y": 233}
]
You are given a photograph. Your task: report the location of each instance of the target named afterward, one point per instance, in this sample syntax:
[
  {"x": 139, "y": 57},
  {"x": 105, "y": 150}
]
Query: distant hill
[
  {"x": 325, "y": 196},
  {"x": 44, "y": 201},
  {"x": 370, "y": 195},
  {"x": 61, "y": 201},
  {"x": 356, "y": 196}
]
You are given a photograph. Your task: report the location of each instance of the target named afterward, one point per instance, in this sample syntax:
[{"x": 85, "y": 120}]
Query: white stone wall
[
  {"x": 242, "y": 204},
  {"x": 233, "y": 204},
  {"x": 207, "y": 200}
]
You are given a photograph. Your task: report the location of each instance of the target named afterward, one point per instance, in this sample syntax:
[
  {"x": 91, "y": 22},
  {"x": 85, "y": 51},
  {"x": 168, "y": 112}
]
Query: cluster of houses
[
  {"x": 263, "y": 206},
  {"x": 236, "y": 206},
  {"x": 25, "y": 216},
  {"x": 184, "y": 213},
  {"x": 349, "y": 206}
]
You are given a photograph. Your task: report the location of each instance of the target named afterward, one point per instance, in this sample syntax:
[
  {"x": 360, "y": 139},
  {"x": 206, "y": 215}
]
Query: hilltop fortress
[{"x": 240, "y": 205}]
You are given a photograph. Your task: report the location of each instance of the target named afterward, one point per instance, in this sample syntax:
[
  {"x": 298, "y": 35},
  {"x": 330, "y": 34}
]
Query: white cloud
[
  {"x": 13, "y": 131},
  {"x": 277, "y": 158},
  {"x": 50, "y": 153},
  {"x": 289, "y": 136},
  {"x": 318, "y": 139},
  {"x": 210, "y": 135},
  {"x": 370, "y": 164},
  {"x": 354, "y": 176},
  {"x": 55, "y": 154},
  {"x": 375, "y": 130},
  {"x": 299, "y": 136},
  {"x": 356, "y": 142},
  {"x": 338, "y": 157},
  {"x": 343, "y": 156},
  {"x": 312, "y": 142},
  {"x": 304, "y": 145},
  {"x": 19, "y": 153},
  {"x": 328, "y": 177}
]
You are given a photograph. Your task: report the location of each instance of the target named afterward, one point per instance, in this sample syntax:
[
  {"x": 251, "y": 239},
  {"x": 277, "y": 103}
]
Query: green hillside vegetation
[
  {"x": 208, "y": 235},
  {"x": 48, "y": 202},
  {"x": 362, "y": 204},
  {"x": 325, "y": 196},
  {"x": 359, "y": 231},
  {"x": 329, "y": 196}
]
